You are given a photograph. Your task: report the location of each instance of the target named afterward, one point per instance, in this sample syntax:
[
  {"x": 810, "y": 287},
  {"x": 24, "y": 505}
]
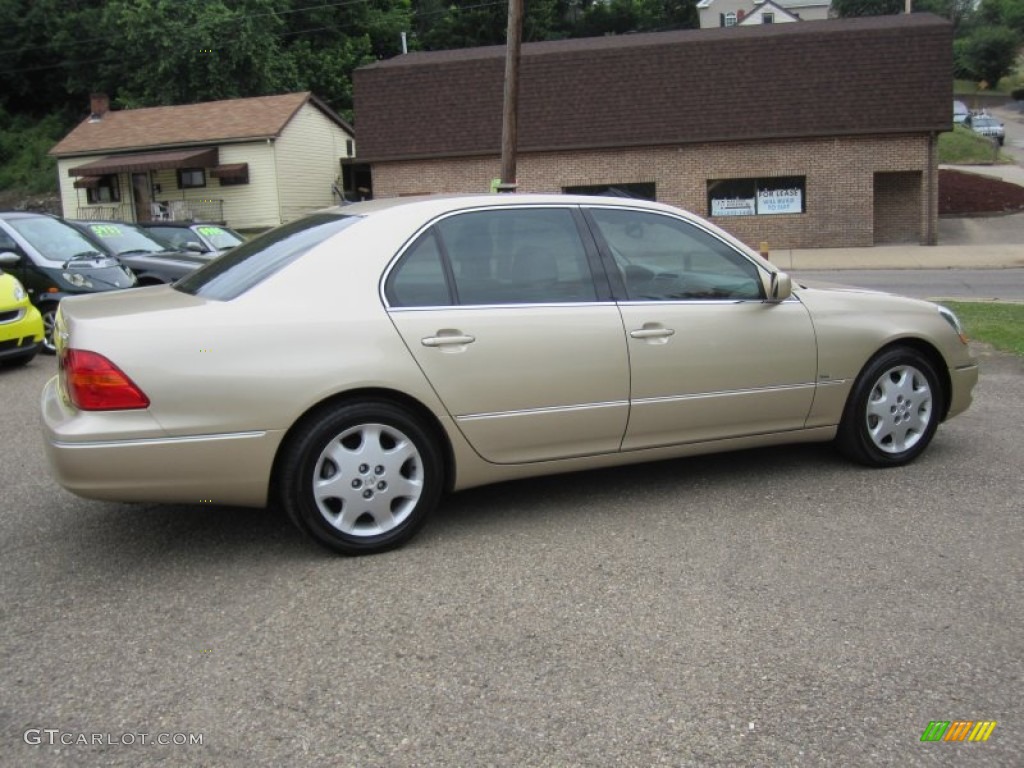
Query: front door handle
[
  {"x": 651, "y": 333},
  {"x": 447, "y": 340}
]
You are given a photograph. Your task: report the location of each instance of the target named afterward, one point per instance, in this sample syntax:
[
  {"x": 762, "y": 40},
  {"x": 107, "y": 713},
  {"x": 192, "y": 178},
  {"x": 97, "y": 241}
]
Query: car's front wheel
[
  {"x": 893, "y": 410},
  {"x": 361, "y": 477}
]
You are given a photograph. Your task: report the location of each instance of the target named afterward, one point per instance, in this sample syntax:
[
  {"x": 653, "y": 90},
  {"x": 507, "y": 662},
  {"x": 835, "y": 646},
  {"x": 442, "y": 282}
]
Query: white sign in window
[
  {"x": 771, "y": 201},
  {"x": 732, "y": 206}
]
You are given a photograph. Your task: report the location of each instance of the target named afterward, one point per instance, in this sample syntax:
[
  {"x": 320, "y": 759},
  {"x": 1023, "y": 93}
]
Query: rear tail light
[{"x": 95, "y": 384}]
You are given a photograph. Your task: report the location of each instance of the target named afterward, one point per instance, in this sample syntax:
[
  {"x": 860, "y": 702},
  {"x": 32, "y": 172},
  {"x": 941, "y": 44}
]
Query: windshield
[
  {"x": 252, "y": 262},
  {"x": 125, "y": 238},
  {"x": 221, "y": 238},
  {"x": 54, "y": 240},
  {"x": 984, "y": 122}
]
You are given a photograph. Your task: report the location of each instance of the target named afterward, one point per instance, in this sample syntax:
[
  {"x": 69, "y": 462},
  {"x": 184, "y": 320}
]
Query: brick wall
[
  {"x": 898, "y": 202},
  {"x": 840, "y": 182}
]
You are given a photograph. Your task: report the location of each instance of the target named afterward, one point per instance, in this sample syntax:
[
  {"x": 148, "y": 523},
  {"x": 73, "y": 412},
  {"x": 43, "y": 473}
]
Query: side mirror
[
  {"x": 8, "y": 259},
  {"x": 195, "y": 247},
  {"x": 780, "y": 287}
]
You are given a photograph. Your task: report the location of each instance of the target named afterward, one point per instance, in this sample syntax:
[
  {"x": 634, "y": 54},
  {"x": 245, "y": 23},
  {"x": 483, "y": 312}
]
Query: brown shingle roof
[
  {"x": 890, "y": 74},
  {"x": 211, "y": 122}
]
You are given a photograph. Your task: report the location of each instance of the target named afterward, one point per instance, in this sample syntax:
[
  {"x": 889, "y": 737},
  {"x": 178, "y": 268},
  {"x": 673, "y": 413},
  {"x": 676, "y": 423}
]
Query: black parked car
[
  {"x": 52, "y": 260},
  {"x": 152, "y": 260}
]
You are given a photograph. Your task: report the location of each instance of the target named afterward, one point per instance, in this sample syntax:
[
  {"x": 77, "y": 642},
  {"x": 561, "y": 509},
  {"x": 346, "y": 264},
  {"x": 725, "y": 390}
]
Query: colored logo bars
[{"x": 958, "y": 730}]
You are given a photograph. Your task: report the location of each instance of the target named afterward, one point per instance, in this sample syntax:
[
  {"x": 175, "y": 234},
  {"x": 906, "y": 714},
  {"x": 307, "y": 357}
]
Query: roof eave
[
  {"x": 603, "y": 146},
  {"x": 159, "y": 147}
]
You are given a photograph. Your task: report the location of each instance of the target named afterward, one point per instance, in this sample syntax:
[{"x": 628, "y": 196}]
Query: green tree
[
  {"x": 957, "y": 11},
  {"x": 185, "y": 51},
  {"x": 987, "y": 53},
  {"x": 849, "y": 8},
  {"x": 1002, "y": 13}
]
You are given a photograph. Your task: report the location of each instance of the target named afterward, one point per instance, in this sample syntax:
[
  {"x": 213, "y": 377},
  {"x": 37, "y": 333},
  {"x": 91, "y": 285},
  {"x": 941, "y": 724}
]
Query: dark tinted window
[
  {"x": 662, "y": 258},
  {"x": 517, "y": 256},
  {"x": 418, "y": 280},
  {"x": 250, "y": 263}
]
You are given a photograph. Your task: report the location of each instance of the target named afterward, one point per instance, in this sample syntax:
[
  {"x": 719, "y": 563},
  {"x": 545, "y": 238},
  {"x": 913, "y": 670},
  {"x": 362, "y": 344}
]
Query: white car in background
[
  {"x": 985, "y": 125},
  {"x": 960, "y": 113}
]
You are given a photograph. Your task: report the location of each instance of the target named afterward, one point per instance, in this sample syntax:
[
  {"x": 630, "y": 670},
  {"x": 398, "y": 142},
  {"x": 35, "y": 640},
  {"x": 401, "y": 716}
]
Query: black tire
[
  {"x": 49, "y": 313},
  {"x": 893, "y": 410},
  {"x": 379, "y": 473}
]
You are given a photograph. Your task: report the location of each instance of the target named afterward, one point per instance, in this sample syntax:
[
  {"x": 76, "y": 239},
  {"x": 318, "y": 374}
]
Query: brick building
[{"x": 804, "y": 135}]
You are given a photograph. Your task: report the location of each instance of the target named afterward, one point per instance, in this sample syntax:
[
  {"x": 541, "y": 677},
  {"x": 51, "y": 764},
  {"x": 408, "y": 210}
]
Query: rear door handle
[{"x": 445, "y": 340}]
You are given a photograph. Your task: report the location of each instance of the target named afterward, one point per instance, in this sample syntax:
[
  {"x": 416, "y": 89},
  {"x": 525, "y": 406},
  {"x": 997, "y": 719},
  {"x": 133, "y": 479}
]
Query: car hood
[
  {"x": 825, "y": 285},
  {"x": 106, "y": 272}
]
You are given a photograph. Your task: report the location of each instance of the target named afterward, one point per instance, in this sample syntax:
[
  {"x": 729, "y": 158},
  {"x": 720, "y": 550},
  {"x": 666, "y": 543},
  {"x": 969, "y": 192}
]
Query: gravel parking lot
[{"x": 773, "y": 607}]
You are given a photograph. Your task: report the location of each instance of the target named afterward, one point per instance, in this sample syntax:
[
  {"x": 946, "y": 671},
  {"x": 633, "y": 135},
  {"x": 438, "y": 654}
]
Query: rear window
[{"x": 254, "y": 261}]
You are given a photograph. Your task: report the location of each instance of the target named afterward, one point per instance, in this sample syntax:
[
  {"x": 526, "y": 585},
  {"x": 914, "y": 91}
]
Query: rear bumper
[{"x": 229, "y": 469}]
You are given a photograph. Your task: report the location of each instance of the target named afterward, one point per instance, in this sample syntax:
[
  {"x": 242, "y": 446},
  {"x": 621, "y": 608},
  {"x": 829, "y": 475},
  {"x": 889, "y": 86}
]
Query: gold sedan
[{"x": 359, "y": 363}]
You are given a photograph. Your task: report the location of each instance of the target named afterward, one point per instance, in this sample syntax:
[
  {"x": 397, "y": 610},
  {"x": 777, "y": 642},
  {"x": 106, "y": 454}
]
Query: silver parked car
[
  {"x": 458, "y": 341},
  {"x": 988, "y": 126}
]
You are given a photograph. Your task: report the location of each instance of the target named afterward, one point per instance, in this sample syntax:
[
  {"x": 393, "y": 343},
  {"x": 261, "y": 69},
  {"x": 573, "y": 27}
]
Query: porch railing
[
  {"x": 205, "y": 209},
  {"x": 105, "y": 212}
]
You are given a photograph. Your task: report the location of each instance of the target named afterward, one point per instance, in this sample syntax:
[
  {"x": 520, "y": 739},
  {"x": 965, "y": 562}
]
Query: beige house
[
  {"x": 250, "y": 163},
  {"x": 730, "y": 13}
]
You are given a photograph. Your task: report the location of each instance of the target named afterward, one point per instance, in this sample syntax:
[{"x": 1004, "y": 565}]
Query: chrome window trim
[{"x": 536, "y": 305}]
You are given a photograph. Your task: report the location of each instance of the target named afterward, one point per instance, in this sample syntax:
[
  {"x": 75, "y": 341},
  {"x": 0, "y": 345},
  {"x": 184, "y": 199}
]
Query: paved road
[
  {"x": 1012, "y": 118},
  {"x": 776, "y": 607},
  {"x": 1003, "y": 284}
]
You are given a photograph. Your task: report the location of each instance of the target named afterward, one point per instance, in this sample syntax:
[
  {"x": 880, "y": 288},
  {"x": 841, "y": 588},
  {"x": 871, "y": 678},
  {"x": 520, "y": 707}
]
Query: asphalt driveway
[{"x": 774, "y": 607}]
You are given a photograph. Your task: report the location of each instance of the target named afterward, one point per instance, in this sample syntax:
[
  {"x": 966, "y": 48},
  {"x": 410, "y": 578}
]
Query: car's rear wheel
[
  {"x": 362, "y": 477},
  {"x": 893, "y": 410},
  {"x": 49, "y": 313}
]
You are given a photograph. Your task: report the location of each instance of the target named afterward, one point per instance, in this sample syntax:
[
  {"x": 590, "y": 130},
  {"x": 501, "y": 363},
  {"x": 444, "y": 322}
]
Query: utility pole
[{"x": 510, "y": 112}]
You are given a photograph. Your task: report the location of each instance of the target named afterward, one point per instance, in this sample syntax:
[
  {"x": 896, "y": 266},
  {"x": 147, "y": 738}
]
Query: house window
[
  {"x": 757, "y": 197},
  {"x": 350, "y": 148},
  {"x": 106, "y": 191},
  {"x": 235, "y": 179},
  {"x": 767, "y": 18},
  {"x": 637, "y": 191},
  {"x": 729, "y": 19},
  {"x": 189, "y": 178}
]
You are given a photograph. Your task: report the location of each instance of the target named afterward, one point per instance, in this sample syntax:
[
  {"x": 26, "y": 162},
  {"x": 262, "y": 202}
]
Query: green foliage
[
  {"x": 24, "y": 143},
  {"x": 1002, "y": 13},
  {"x": 957, "y": 11},
  {"x": 849, "y": 8},
  {"x": 986, "y": 54},
  {"x": 962, "y": 146}
]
